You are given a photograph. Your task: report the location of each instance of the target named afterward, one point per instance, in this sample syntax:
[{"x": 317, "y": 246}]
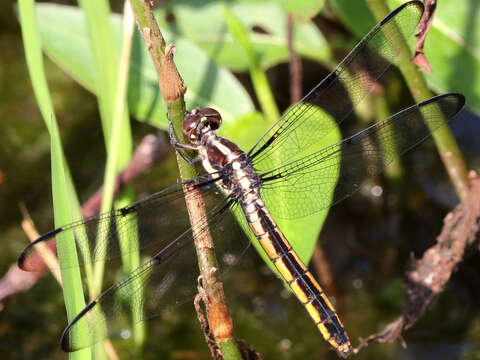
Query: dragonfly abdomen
[
  {"x": 242, "y": 183},
  {"x": 297, "y": 276}
]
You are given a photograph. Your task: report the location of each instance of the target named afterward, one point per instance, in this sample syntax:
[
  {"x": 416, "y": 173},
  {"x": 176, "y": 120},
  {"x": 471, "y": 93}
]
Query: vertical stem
[
  {"x": 446, "y": 144},
  {"x": 295, "y": 64},
  {"x": 257, "y": 74},
  {"x": 394, "y": 171},
  {"x": 173, "y": 89}
]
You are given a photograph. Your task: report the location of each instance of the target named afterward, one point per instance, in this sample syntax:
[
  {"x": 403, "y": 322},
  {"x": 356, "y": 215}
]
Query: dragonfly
[{"x": 283, "y": 176}]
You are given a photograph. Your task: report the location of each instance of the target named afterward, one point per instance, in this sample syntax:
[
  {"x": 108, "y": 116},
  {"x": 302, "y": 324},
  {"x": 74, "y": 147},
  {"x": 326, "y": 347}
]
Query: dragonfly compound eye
[
  {"x": 211, "y": 117},
  {"x": 191, "y": 125}
]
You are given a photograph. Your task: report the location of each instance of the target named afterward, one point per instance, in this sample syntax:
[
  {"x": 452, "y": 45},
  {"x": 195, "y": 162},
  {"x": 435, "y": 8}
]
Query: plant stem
[
  {"x": 295, "y": 63},
  {"x": 173, "y": 89},
  {"x": 446, "y": 144},
  {"x": 257, "y": 74}
]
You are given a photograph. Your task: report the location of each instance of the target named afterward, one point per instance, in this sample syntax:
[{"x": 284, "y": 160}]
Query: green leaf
[
  {"x": 64, "y": 36},
  {"x": 246, "y": 131},
  {"x": 302, "y": 233},
  {"x": 451, "y": 45},
  {"x": 354, "y": 14},
  {"x": 204, "y": 26},
  {"x": 303, "y": 10}
]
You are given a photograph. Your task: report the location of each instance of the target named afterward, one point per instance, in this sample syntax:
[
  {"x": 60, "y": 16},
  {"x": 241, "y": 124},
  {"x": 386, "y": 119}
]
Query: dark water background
[{"x": 367, "y": 240}]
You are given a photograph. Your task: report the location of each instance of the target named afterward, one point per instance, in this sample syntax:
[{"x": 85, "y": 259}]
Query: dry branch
[
  {"x": 428, "y": 276},
  {"x": 426, "y": 21}
]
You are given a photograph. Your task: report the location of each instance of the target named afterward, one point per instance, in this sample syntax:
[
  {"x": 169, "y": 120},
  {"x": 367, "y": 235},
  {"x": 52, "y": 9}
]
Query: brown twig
[
  {"x": 150, "y": 151},
  {"x": 219, "y": 319},
  {"x": 209, "y": 338},
  {"x": 429, "y": 275},
  {"x": 173, "y": 89},
  {"x": 47, "y": 255},
  {"x": 247, "y": 350},
  {"x": 322, "y": 267},
  {"x": 426, "y": 21}
]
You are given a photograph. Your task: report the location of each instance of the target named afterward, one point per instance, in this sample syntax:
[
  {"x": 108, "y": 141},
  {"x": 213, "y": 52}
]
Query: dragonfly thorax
[
  {"x": 241, "y": 180},
  {"x": 223, "y": 159}
]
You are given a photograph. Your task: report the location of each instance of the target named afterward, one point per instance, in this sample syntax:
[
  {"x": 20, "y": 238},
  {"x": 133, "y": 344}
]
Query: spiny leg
[{"x": 179, "y": 147}]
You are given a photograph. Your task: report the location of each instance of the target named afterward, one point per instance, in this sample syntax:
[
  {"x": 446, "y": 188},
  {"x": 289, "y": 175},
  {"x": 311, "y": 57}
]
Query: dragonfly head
[{"x": 198, "y": 122}]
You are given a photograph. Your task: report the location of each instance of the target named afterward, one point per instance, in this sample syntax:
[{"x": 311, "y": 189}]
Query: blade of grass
[
  {"x": 111, "y": 78},
  {"x": 130, "y": 259},
  {"x": 113, "y": 138},
  {"x": 61, "y": 181},
  {"x": 104, "y": 52},
  {"x": 103, "y": 47},
  {"x": 446, "y": 144},
  {"x": 71, "y": 276},
  {"x": 258, "y": 76}
]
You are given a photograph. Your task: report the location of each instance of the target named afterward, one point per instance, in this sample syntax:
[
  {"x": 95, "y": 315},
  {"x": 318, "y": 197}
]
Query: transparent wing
[
  {"x": 304, "y": 124},
  {"x": 148, "y": 224},
  {"x": 167, "y": 279},
  {"x": 328, "y": 176}
]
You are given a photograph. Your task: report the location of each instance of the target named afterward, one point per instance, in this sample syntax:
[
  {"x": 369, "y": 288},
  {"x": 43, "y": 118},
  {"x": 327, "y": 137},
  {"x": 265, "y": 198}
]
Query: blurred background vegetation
[{"x": 367, "y": 241}]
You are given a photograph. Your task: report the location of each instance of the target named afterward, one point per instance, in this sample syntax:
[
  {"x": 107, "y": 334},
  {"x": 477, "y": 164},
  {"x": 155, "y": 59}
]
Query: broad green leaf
[
  {"x": 303, "y": 10},
  {"x": 64, "y": 38},
  {"x": 204, "y": 26},
  {"x": 354, "y": 14},
  {"x": 246, "y": 131},
  {"x": 302, "y": 233},
  {"x": 451, "y": 45}
]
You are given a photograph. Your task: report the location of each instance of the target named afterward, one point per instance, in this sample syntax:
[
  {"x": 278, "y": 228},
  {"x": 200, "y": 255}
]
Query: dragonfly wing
[
  {"x": 305, "y": 124},
  {"x": 167, "y": 279},
  {"x": 328, "y": 176},
  {"x": 148, "y": 223}
]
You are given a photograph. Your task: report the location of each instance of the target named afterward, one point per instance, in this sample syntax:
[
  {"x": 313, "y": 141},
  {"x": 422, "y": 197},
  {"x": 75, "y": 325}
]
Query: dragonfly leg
[{"x": 179, "y": 146}]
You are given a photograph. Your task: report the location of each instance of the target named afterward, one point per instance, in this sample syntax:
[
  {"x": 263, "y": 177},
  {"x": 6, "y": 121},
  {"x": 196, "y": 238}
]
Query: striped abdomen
[{"x": 300, "y": 280}]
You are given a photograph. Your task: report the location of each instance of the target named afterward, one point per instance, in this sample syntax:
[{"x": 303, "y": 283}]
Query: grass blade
[
  {"x": 62, "y": 187},
  {"x": 259, "y": 78}
]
